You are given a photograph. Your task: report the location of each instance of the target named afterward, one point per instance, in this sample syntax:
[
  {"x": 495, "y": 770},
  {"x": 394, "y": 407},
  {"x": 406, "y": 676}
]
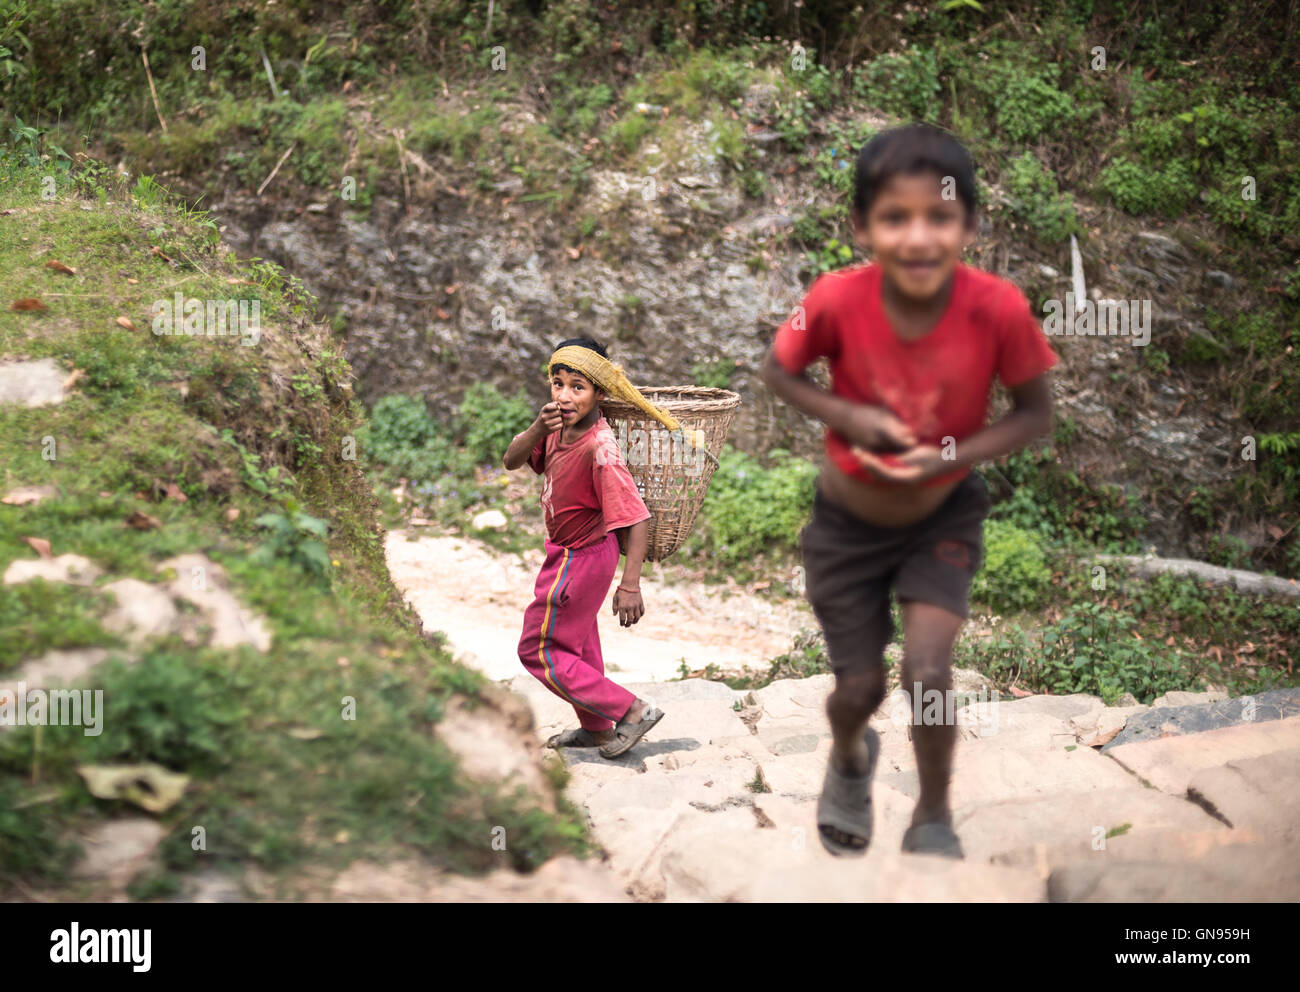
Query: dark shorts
[{"x": 851, "y": 565}]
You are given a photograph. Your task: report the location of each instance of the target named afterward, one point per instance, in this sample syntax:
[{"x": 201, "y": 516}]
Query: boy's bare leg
[
  {"x": 857, "y": 694},
  {"x": 929, "y": 633}
]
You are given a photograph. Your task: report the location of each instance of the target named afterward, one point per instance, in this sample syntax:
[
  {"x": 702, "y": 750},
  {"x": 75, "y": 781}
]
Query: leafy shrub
[
  {"x": 1036, "y": 199},
  {"x": 296, "y": 537},
  {"x": 488, "y": 421},
  {"x": 1029, "y": 104},
  {"x": 750, "y": 509},
  {"x": 402, "y": 436},
  {"x": 1093, "y": 649},
  {"x": 1015, "y": 575},
  {"x": 904, "y": 85},
  {"x": 1138, "y": 190},
  {"x": 171, "y": 709}
]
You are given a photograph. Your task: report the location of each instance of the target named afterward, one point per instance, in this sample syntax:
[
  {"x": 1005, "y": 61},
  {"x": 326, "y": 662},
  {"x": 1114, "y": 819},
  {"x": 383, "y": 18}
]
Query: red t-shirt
[
  {"x": 588, "y": 490},
  {"x": 939, "y": 384}
]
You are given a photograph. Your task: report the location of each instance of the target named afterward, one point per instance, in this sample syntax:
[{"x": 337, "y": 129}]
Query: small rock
[
  {"x": 117, "y": 849},
  {"x": 24, "y": 495},
  {"x": 494, "y": 519},
  {"x": 72, "y": 569},
  {"x": 1221, "y": 279},
  {"x": 33, "y": 383}
]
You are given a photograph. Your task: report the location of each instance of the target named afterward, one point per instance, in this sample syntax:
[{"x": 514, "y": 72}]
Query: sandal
[
  {"x": 845, "y": 804},
  {"x": 626, "y": 734},
  {"x": 581, "y": 737},
  {"x": 934, "y": 837}
]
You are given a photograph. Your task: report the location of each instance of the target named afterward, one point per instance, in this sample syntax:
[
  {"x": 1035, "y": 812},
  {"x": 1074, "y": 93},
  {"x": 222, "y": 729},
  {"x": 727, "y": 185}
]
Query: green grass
[{"x": 280, "y": 777}]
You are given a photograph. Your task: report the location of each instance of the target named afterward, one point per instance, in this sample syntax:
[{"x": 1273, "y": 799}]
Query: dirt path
[{"x": 477, "y": 596}]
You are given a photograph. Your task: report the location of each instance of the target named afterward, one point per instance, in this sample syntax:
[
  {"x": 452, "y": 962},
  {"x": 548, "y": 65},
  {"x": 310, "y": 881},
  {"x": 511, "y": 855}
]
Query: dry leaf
[
  {"x": 155, "y": 250},
  {"x": 452, "y": 288},
  {"x": 174, "y": 492},
  {"x": 182, "y": 387},
  {"x": 1018, "y": 692},
  {"x": 151, "y": 787},
  {"x": 60, "y": 267},
  {"x": 133, "y": 282},
  {"x": 232, "y": 514},
  {"x": 1275, "y": 532},
  {"x": 76, "y": 376},
  {"x": 305, "y": 733},
  {"x": 124, "y": 322},
  {"x": 40, "y": 546},
  {"x": 104, "y": 494},
  {"x": 142, "y": 521},
  {"x": 28, "y": 304},
  {"x": 443, "y": 314},
  {"x": 575, "y": 252}
]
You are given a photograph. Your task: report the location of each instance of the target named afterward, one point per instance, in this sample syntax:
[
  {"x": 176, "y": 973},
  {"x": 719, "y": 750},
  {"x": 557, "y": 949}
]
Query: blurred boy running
[{"x": 915, "y": 340}]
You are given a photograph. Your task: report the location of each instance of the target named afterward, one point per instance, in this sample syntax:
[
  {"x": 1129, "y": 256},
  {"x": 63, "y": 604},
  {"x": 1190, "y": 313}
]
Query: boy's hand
[
  {"x": 917, "y": 464},
  {"x": 550, "y": 418},
  {"x": 628, "y": 606},
  {"x": 876, "y": 429}
]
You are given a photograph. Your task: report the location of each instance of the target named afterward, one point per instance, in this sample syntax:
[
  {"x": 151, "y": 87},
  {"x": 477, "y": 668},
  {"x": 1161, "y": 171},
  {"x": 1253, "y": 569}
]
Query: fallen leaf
[
  {"x": 452, "y": 288},
  {"x": 28, "y": 304},
  {"x": 29, "y": 494},
  {"x": 124, "y": 322},
  {"x": 150, "y": 786},
  {"x": 104, "y": 494},
  {"x": 232, "y": 514},
  {"x": 40, "y": 546},
  {"x": 58, "y": 266},
  {"x": 76, "y": 376},
  {"x": 182, "y": 387},
  {"x": 575, "y": 253},
  {"x": 140, "y": 520},
  {"x": 155, "y": 250},
  {"x": 305, "y": 733},
  {"x": 1018, "y": 692},
  {"x": 174, "y": 492},
  {"x": 133, "y": 282},
  {"x": 1275, "y": 532},
  {"x": 443, "y": 314}
]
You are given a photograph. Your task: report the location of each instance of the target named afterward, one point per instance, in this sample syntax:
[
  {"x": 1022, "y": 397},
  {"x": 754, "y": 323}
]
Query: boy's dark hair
[
  {"x": 591, "y": 343},
  {"x": 908, "y": 150}
]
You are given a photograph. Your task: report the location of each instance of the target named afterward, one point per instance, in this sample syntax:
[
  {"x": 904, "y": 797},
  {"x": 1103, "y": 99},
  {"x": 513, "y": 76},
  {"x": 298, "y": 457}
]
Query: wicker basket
[{"x": 671, "y": 473}]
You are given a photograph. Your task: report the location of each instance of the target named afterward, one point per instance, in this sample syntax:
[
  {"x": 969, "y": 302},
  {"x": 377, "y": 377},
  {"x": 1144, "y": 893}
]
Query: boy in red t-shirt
[
  {"x": 587, "y": 497},
  {"x": 914, "y": 341}
]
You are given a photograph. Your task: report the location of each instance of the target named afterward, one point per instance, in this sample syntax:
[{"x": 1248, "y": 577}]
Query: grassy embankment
[{"x": 254, "y": 438}]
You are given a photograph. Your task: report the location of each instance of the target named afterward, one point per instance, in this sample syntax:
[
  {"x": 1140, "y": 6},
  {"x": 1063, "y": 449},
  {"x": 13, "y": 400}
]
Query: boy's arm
[
  {"x": 1031, "y": 417},
  {"x": 872, "y": 427},
  {"x": 637, "y": 540},
  {"x": 522, "y": 444}
]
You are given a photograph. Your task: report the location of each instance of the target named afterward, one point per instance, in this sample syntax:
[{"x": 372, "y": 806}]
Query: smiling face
[
  {"x": 916, "y": 234},
  {"x": 574, "y": 394}
]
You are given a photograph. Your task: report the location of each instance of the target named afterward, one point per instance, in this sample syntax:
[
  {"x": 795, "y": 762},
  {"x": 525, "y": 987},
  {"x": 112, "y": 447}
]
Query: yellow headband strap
[{"x": 610, "y": 378}]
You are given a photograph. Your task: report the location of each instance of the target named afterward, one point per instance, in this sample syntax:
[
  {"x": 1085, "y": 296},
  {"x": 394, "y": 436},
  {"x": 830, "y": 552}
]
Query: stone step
[
  {"x": 1170, "y": 763},
  {"x": 1051, "y": 831},
  {"x": 1178, "y": 713},
  {"x": 1195, "y": 867},
  {"x": 1261, "y": 794}
]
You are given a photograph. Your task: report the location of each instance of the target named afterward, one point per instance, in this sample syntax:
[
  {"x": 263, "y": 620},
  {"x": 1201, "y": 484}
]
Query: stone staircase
[{"x": 1055, "y": 798}]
